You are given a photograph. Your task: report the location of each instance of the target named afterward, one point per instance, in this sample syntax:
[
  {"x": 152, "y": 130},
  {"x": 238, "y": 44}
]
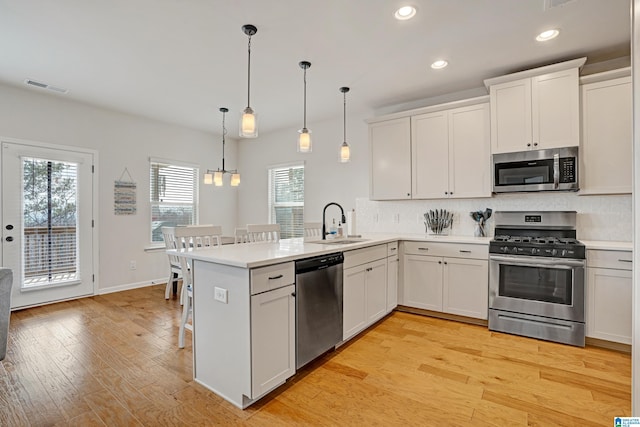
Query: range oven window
[{"x": 536, "y": 284}]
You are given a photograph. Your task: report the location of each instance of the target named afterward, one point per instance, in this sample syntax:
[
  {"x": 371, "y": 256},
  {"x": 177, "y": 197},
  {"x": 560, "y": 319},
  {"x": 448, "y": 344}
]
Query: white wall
[
  {"x": 122, "y": 140},
  {"x": 326, "y": 180}
]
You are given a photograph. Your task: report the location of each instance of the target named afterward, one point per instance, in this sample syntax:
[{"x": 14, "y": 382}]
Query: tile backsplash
[{"x": 606, "y": 218}]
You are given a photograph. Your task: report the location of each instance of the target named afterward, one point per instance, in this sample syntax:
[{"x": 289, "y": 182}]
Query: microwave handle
[{"x": 556, "y": 170}]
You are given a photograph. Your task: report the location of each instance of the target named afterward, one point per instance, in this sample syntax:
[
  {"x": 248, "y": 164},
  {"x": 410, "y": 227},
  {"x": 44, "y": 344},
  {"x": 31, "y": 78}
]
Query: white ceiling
[{"x": 180, "y": 60}]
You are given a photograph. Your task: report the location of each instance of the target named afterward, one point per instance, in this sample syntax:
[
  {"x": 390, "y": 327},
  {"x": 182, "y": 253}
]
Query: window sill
[{"x": 155, "y": 248}]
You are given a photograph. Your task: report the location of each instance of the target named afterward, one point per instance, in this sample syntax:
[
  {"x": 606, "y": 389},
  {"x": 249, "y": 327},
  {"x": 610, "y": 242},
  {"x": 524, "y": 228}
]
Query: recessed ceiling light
[
  {"x": 405, "y": 12},
  {"x": 440, "y": 63},
  {"x": 547, "y": 35}
]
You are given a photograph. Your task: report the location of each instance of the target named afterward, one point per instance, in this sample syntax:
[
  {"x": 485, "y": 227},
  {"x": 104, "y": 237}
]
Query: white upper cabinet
[
  {"x": 450, "y": 153},
  {"x": 390, "y": 154},
  {"x": 536, "y": 109},
  {"x": 605, "y": 153}
]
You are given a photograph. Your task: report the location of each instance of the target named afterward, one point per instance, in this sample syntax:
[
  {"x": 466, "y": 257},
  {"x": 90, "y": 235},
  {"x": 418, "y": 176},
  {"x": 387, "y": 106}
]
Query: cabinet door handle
[
  {"x": 445, "y": 263},
  {"x": 423, "y": 249},
  {"x": 464, "y": 252},
  {"x": 625, "y": 260},
  {"x": 293, "y": 294},
  {"x": 529, "y": 145},
  {"x": 439, "y": 262},
  {"x": 393, "y": 249},
  {"x": 279, "y": 276}
]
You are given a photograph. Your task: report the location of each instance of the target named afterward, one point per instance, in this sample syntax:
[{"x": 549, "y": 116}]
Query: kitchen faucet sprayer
[{"x": 324, "y": 225}]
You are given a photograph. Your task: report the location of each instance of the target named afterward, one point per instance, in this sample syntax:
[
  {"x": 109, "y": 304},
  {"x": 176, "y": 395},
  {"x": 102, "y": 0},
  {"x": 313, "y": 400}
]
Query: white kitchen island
[{"x": 244, "y": 311}]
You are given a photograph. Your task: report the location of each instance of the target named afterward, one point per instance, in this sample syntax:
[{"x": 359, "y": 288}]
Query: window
[
  {"x": 286, "y": 199},
  {"x": 174, "y": 196}
]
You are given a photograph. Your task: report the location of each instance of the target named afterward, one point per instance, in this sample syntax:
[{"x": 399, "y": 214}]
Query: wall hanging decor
[{"x": 124, "y": 195}]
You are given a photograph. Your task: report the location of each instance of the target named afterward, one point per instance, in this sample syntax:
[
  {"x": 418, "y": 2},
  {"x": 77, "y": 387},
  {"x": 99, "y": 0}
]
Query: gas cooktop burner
[
  {"x": 546, "y": 246},
  {"x": 545, "y": 240}
]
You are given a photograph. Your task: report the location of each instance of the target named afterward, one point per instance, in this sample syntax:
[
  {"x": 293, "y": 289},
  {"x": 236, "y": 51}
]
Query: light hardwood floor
[{"x": 114, "y": 360}]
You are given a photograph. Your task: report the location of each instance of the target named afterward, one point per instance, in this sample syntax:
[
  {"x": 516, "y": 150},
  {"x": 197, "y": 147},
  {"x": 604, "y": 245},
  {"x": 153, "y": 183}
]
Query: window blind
[
  {"x": 286, "y": 200},
  {"x": 173, "y": 196}
]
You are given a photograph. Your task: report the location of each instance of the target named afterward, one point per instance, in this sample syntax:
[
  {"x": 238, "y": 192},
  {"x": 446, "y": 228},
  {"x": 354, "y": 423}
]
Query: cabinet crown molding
[
  {"x": 560, "y": 66},
  {"x": 431, "y": 109}
]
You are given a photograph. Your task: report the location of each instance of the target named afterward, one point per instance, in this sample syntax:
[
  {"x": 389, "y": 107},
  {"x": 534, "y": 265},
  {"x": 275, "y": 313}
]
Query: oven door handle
[{"x": 565, "y": 264}]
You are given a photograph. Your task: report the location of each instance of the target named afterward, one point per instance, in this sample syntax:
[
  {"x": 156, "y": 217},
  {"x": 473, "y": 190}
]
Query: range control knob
[
  {"x": 564, "y": 252},
  {"x": 515, "y": 250},
  {"x": 554, "y": 252},
  {"x": 504, "y": 249},
  {"x": 533, "y": 251}
]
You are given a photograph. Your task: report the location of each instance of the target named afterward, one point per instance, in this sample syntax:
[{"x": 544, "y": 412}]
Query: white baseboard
[{"x": 129, "y": 286}]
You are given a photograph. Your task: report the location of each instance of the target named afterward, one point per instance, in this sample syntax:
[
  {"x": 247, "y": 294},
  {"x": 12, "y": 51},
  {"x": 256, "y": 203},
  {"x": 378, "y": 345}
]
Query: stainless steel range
[{"x": 536, "y": 276}]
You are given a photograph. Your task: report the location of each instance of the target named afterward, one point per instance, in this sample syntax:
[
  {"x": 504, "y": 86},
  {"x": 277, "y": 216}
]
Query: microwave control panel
[{"x": 568, "y": 169}]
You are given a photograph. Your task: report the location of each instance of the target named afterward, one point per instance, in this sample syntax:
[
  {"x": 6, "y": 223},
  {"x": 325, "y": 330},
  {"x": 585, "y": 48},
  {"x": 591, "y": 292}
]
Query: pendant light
[
  {"x": 248, "y": 118},
  {"x": 304, "y": 139},
  {"x": 215, "y": 177},
  {"x": 345, "y": 151}
]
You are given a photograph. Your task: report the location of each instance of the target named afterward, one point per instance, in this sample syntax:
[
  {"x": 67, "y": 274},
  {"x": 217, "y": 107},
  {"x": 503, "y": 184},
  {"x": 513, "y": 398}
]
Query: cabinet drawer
[
  {"x": 392, "y": 248},
  {"x": 272, "y": 277},
  {"x": 620, "y": 260},
  {"x": 364, "y": 255},
  {"x": 457, "y": 250}
]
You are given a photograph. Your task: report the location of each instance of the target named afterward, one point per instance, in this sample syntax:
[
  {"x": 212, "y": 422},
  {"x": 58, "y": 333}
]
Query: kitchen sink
[{"x": 338, "y": 241}]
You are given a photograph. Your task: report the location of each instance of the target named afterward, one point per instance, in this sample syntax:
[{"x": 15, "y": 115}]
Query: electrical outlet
[
  {"x": 221, "y": 295},
  {"x": 132, "y": 265}
]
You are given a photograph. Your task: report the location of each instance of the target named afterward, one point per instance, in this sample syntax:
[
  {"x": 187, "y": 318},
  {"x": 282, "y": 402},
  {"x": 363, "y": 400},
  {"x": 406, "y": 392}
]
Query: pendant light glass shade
[
  {"x": 216, "y": 177},
  {"x": 304, "y": 141},
  {"x": 248, "y": 124},
  {"x": 248, "y": 118},
  {"x": 208, "y": 178},
  {"x": 345, "y": 151},
  {"x": 304, "y": 137}
]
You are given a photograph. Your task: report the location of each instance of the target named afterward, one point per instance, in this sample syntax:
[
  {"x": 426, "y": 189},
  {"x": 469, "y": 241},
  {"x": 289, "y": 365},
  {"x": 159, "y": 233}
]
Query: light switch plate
[{"x": 220, "y": 294}]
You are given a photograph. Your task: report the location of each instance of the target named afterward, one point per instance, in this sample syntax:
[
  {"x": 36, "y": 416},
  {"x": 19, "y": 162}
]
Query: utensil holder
[{"x": 479, "y": 230}]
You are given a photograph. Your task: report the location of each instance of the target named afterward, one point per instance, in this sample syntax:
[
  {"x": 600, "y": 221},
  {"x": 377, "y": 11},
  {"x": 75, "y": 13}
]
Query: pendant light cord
[
  {"x": 344, "y": 115},
  {"x": 249, "y": 73},
  {"x": 304, "y": 124},
  {"x": 224, "y": 132}
]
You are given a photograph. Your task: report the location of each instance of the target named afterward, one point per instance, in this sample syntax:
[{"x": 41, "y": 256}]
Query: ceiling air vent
[
  {"x": 41, "y": 85},
  {"x": 550, "y": 4}
]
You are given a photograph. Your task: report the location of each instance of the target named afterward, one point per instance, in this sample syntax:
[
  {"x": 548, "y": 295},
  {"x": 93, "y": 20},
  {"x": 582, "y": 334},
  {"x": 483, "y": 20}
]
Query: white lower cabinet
[
  {"x": 364, "y": 289},
  {"x": 456, "y": 284},
  {"x": 273, "y": 349},
  {"x": 608, "y": 296},
  {"x": 244, "y": 342}
]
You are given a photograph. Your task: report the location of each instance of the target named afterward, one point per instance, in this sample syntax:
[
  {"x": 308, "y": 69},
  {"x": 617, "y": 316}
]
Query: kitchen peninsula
[{"x": 244, "y": 307}]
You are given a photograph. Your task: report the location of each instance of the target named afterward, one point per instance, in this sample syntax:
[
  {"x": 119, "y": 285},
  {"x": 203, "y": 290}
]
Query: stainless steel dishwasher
[{"x": 318, "y": 306}]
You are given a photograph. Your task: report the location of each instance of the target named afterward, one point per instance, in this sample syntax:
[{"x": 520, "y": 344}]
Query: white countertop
[
  {"x": 608, "y": 246},
  {"x": 251, "y": 255}
]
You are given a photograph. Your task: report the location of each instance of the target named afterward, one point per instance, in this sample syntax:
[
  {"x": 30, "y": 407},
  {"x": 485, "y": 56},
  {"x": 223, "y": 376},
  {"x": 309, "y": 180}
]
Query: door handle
[
  {"x": 279, "y": 276},
  {"x": 9, "y": 227},
  {"x": 9, "y": 239}
]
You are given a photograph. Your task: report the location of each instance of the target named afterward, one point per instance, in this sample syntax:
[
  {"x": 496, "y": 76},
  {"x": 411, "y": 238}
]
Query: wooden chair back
[
  {"x": 198, "y": 236},
  {"x": 241, "y": 235},
  {"x": 312, "y": 229},
  {"x": 263, "y": 232}
]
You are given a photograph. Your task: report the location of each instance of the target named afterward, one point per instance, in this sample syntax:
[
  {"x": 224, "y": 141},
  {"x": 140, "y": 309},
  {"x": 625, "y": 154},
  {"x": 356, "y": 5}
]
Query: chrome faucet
[{"x": 324, "y": 226}]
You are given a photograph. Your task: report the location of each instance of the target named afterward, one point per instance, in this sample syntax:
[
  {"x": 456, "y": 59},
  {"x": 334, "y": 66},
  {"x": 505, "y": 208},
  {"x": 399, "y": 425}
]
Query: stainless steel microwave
[{"x": 553, "y": 169}]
